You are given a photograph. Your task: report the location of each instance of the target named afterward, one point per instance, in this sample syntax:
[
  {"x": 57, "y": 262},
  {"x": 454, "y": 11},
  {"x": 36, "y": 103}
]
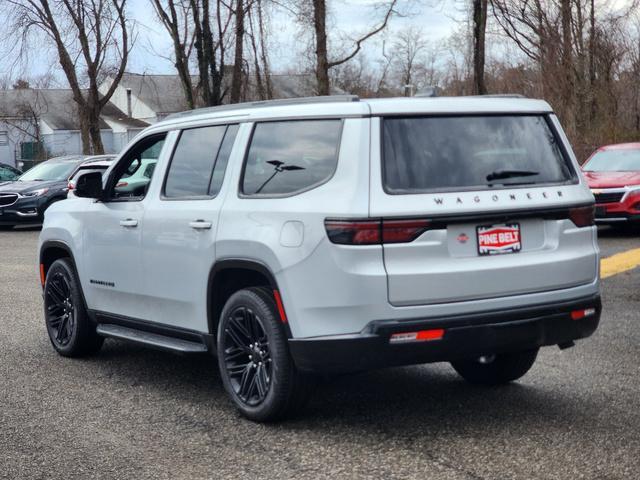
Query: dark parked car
[
  {"x": 24, "y": 200},
  {"x": 8, "y": 173}
]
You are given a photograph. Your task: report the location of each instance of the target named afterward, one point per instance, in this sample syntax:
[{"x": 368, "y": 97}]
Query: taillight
[
  {"x": 375, "y": 232},
  {"x": 583, "y": 216},
  {"x": 353, "y": 232},
  {"x": 402, "y": 231},
  {"x": 70, "y": 186}
]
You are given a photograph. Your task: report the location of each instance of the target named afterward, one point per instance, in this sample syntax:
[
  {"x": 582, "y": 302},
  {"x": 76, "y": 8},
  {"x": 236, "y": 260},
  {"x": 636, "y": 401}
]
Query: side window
[
  {"x": 133, "y": 174},
  {"x": 290, "y": 157},
  {"x": 199, "y": 162}
]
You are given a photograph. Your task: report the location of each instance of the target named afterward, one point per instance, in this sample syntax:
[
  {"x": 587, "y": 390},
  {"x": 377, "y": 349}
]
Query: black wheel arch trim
[
  {"x": 58, "y": 244},
  {"x": 237, "y": 263}
]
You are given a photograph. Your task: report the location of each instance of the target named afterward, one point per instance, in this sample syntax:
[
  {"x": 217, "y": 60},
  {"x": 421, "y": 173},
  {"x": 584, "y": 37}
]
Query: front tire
[
  {"x": 496, "y": 369},
  {"x": 70, "y": 329},
  {"x": 257, "y": 370}
]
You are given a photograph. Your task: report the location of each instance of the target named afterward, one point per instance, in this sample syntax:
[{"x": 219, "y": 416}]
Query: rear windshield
[{"x": 425, "y": 154}]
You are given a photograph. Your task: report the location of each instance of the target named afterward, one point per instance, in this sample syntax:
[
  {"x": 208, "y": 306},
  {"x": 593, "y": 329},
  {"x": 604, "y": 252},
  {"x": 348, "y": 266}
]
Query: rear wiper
[{"x": 500, "y": 174}]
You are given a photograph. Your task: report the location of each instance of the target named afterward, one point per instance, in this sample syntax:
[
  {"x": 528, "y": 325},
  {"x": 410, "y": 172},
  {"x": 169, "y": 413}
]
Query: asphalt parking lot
[{"x": 136, "y": 413}]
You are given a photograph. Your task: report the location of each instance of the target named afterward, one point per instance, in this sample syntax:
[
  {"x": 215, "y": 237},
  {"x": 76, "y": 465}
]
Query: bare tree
[
  {"x": 323, "y": 63},
  {"x": 92, "y": 39},
  {"x": 407, "y": 48},
  {"x": 479, "y": 34},
  {"x": 236, "y": 81},
  {"x": 175, "y": 16},
  {"x": 200, "y": 28}
]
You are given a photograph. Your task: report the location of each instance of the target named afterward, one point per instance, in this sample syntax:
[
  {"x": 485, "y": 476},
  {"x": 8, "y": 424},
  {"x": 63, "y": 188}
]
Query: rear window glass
[
  {"x": 290, "y": 157},
  {"x": 424, "y": 154}
]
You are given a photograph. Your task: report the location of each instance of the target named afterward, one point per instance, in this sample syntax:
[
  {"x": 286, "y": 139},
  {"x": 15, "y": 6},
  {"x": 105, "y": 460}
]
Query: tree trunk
[
  {"x": 479, "y": 31},
  {"x": 94, "y": 132},
  {"x": 236, "y": 82},
  {"x": 85, "y": 137},
  {"x": 567, "y": 67},
  {"x": 322, "y": 59}
]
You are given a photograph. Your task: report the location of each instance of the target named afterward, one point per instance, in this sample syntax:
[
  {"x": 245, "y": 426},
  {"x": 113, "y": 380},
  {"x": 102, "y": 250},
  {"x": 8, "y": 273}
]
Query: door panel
[
  {"x": 112, "y": 257},
  {"x": 113, "y": 235}
]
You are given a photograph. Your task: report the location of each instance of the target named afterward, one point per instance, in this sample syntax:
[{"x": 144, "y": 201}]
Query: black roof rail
[{"x": 265, "y": 104}]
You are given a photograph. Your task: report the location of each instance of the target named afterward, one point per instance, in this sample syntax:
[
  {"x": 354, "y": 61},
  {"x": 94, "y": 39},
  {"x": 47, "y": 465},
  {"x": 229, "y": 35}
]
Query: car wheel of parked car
[
  {"x": 255, "y": 365},
  {"x": 70, "y": 329},
  {"x": 496, "y": 369}
]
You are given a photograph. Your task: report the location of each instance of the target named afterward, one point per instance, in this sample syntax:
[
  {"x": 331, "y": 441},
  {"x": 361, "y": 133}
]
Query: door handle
[
  {"x": 200, "y": 225},
  {"x": 129, "y": 222}
]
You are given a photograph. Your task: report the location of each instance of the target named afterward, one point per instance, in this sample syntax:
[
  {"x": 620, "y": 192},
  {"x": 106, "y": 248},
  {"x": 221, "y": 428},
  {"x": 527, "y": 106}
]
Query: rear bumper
[{"x": 465, "y": 336}]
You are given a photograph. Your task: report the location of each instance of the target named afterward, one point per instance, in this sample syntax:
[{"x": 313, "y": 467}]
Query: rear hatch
[{"x": 496, "y": 205}]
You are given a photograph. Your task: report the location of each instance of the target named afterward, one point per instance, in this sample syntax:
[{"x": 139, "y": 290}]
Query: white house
[{"x": 36, "y": 123}]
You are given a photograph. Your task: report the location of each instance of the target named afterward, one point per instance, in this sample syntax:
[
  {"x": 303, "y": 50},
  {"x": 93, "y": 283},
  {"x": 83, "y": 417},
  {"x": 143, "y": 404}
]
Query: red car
[{"x": 613, "y": 174}]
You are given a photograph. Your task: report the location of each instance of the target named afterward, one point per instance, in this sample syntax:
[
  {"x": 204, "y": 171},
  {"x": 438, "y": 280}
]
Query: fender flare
[{"x": 235, "y": 263}]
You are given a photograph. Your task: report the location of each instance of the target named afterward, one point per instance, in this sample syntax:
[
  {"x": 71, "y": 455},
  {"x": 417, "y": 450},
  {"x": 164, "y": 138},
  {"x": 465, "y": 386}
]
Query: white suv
[{"x": 331, "y": 235}]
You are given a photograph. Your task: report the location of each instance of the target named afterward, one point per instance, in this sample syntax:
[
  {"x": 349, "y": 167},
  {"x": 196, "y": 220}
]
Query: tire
[
  {"x": 71, "y": 331},
  {"x": 496, "y": 369},
  {"x": 256, "y": 368}
]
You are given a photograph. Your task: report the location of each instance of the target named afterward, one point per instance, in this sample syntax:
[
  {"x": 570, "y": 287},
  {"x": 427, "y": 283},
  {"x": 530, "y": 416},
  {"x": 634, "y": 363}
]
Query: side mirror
[{"x": 89, "y": 185}]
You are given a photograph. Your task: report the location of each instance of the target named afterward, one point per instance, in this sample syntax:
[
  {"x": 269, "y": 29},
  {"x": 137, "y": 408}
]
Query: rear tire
[
  {"x": 70, "y": 329},
  {"x": 496, "y": 369},
  {"x": 257, "y": 370}
]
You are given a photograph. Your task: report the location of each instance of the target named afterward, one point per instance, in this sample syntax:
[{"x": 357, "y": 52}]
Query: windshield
[
  {"x": 424, "y": 154},
  {"x": 48, "y": 171},
  {"x": 614, "y": 161}
]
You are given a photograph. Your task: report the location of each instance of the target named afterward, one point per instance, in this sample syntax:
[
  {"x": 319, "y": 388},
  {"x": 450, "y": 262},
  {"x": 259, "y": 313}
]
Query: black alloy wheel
[
  {"x": 246, "y": 356},
  {"x": 255, "y": 365},
  {"x": 59, "y": 308},
  {"x": 70, "y": 329}
]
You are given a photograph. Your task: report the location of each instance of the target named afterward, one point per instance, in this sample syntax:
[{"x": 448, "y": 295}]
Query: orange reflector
[
  {"x": 421, "y": 336},
  {"x": 578, "y": 314},
  {"x": 43, "y": 277},
  {"x": 283, "y": 316}
]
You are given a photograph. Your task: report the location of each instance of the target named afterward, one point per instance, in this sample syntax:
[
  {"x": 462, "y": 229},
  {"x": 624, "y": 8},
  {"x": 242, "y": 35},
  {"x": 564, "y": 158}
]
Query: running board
[{"x": 154, "y": 340}]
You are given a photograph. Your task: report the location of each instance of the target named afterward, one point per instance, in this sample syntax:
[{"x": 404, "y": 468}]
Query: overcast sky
[{"x": 437, "y": 19}]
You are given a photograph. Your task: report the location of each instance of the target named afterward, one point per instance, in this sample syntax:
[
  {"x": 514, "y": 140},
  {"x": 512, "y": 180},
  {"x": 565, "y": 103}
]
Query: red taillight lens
[
  {"x": 70, "y": 186},
  {"x": 401, "y": 231},
  {"x": 374, "y": 232},
  {"x": 354, "y": 232},
  {"x": 583, "y": 216}
]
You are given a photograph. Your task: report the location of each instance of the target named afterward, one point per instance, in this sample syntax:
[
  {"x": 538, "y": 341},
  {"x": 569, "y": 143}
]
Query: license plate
[{"x": 499, "y": 239}]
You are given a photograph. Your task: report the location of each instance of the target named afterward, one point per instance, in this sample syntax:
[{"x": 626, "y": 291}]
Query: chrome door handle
[
  {"x": 129, "y": 222},
  {"x": 200, "y": 225}
]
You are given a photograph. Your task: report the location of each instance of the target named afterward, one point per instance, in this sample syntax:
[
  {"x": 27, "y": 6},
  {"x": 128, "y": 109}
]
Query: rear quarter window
[
  {"x": 290, "y": 157},
  {"x": 427, "y": 154}
]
